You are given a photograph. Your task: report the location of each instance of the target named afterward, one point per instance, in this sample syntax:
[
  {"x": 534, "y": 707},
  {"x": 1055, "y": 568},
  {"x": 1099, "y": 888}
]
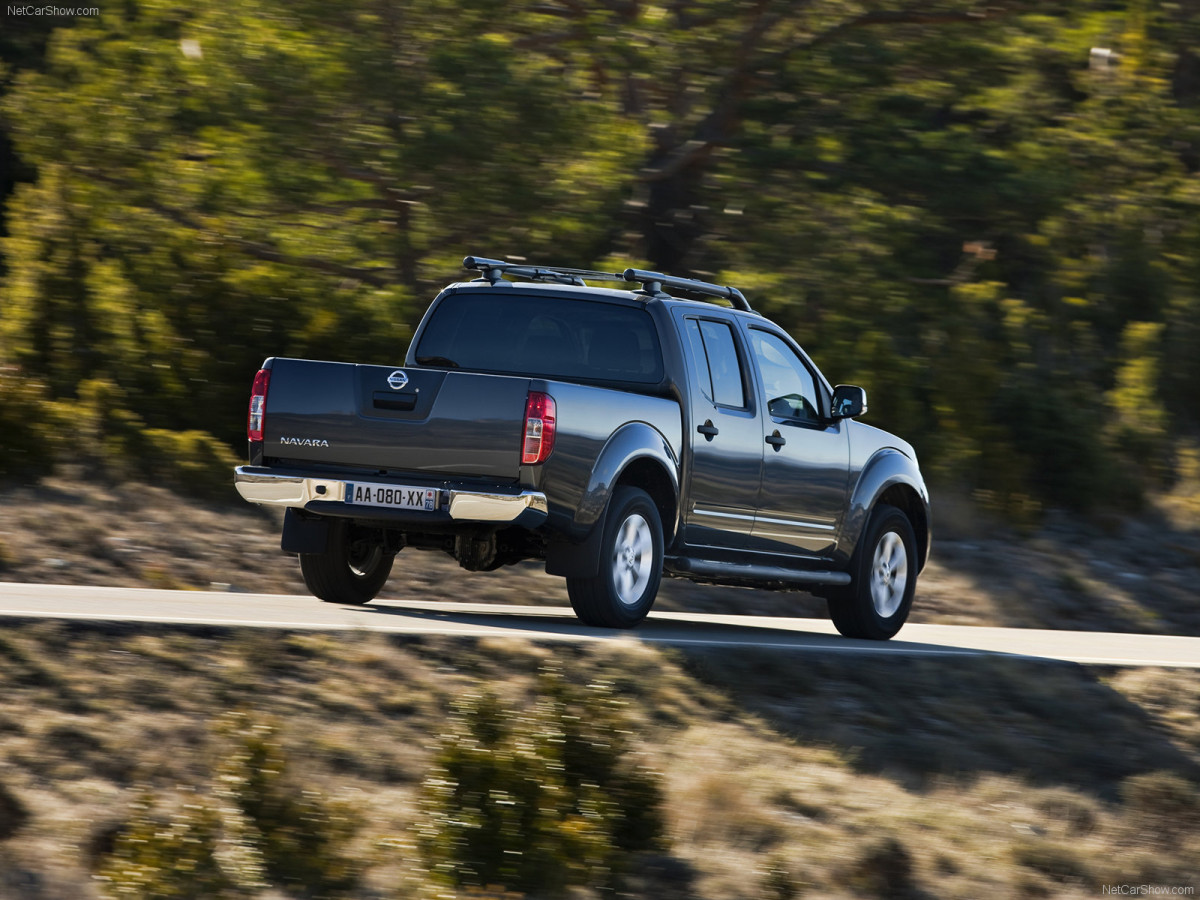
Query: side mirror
[{"x": 849, "y": 401}]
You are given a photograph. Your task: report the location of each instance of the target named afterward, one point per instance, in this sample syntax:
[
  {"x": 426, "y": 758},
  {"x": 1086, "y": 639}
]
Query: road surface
[{"x": 548, "y": 623}]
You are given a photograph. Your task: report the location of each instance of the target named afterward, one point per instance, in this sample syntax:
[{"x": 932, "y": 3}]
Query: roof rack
[
  {"x": 654, "y": 284},
  {"x": 493, "y": 270}
]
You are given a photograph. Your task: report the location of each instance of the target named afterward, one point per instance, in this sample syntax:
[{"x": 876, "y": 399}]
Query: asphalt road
[{"x": 543, "y": 623}]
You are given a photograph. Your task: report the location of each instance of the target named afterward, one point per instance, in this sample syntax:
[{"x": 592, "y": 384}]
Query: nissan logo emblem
[{"x": 397, "y": 380}]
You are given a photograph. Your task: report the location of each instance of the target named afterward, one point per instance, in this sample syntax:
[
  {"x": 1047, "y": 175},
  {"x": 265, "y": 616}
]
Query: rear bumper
[{"x": 327, "y": 496}]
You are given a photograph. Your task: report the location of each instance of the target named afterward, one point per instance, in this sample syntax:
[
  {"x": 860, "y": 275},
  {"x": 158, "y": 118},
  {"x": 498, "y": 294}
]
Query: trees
[
  {"x": 964, "y": 208},
  {"x": 234, "y": 181}
]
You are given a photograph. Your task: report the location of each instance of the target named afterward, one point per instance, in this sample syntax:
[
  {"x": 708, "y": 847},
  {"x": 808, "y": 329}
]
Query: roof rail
[
  {"x": 493, "y": 270},
  {"x": 654, "y": 284}
]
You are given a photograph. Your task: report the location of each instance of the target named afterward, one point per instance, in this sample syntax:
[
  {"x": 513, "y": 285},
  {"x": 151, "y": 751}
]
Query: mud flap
[
  {"x": 304, "y": 534},
  {"x": 576, "y": 560}
]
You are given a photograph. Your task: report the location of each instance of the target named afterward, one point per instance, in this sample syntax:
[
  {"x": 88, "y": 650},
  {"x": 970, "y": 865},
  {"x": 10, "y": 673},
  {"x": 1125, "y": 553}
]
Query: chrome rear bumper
[{"x": 469, "y": 506}]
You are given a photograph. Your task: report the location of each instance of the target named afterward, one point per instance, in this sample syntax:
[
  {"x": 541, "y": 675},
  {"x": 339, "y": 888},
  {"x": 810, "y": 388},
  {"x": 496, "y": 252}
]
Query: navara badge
[{"x": 397, "y": 380}]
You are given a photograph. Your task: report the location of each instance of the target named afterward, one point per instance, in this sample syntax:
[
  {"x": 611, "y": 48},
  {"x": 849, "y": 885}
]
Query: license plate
[{"x": 392, "y": 496}]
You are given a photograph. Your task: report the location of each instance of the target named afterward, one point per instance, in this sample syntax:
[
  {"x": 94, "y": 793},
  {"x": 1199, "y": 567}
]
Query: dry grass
[{"x": 785, "y": 775}]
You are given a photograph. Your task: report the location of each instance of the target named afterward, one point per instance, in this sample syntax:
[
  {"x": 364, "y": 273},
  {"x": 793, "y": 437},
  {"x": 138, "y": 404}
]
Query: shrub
[
  {"x": 1079, "y": 814},
  {"x": 540, "y": 801},
  {"x": 192, "y": 461},
  {"x": 778, "y": 882},
  {"x": 300, "y": 837},
  {"x": 884, "y": 870},
  {"x": 1163, "y": 804},
  {"x": 13, "y": 814},
  {"x": 167, "y": 859},
  {"x": 98, "y": 430},
  {"x": 587, "y": 730},
  {"x": 24, "y": 447},
  {"x": 262, "y": 831},
  {"x": 1060, "y": 863}
]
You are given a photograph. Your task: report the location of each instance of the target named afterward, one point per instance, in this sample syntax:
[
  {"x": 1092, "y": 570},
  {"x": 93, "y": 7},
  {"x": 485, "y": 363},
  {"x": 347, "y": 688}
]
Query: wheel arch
[
  {"x": 653, "y": 477},
  {"x": 636, "y": 455},
  {"x": 892, "y": 478},
  {"x": 905, "y": 498}
]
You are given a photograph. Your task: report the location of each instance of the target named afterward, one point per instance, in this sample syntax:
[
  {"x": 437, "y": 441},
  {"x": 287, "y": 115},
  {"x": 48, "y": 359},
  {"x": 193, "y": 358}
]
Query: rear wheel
[
  {"x": 353, "y": 570},
  {"x": 622, "y": 592},
  {"x": 878, "y": 600}
]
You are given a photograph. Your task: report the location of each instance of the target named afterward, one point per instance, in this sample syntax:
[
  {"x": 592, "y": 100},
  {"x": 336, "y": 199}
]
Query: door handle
[
  {"x": 776, "y": 440},
  {"x": 708, "y": 429}
]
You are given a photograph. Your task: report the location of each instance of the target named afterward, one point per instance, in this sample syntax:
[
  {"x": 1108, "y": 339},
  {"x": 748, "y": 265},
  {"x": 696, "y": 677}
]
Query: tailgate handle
[{"x": 386, "y": 400}]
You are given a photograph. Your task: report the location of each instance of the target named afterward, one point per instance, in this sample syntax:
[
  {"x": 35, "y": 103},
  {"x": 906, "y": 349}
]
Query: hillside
[{"x": 782, "y": 775}]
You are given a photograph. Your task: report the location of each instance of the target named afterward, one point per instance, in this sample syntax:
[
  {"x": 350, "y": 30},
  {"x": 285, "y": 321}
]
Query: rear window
[{"x": 551, "y": 337}]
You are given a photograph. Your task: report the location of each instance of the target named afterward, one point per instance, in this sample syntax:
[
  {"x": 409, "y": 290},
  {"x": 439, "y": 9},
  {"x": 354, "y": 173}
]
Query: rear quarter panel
[{"x": 598, "y": 432}]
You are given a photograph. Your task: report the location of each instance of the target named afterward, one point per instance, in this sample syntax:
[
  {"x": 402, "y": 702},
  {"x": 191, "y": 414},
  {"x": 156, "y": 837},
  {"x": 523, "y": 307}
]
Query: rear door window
[
  {"x": 719, "y": 368},
  {"x": 692, "y": 329},
  {"x": 547, "y": 336}
]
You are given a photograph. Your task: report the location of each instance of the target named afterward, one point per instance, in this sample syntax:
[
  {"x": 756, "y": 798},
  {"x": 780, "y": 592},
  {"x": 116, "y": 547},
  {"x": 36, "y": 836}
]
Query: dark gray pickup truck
[{"x": 616, "y": 432}]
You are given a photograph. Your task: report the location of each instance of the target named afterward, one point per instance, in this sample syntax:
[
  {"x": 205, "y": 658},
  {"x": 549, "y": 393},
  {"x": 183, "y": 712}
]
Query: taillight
[
  {"x": 258, "y": 405},
  {"x": 539, "y": 428}
]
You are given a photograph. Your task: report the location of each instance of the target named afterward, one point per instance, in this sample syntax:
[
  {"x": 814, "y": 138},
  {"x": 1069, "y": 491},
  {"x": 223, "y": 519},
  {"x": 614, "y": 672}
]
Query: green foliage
[
  {"x": 540, "y": 800},
  {"x": 217, "y": 219},
  {"x": 167, "y": 859},
  {"x": 974, "y": 227},
  {"x": 24, "y": 431},
  {"x": 191, "y": 461},
  {"x": 1139, "y": 421},
  {"x": 298, "y": 839},
  {"x": 98, "y": 430},
  {"x": 260, "y": 829}
]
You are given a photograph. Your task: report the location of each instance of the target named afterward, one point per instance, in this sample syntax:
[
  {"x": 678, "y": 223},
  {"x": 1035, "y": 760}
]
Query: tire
[
  {"x": 631, "y": 553},
  {"x": 353, "y": 570},
  {"x": 884, "y": 571}
]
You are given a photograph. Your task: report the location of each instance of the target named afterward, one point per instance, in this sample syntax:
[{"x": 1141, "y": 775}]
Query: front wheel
[
  {"x": 877, "y": 602},
  {"x": 352, "y": 570},
  {"x": 631, "y": 551}
]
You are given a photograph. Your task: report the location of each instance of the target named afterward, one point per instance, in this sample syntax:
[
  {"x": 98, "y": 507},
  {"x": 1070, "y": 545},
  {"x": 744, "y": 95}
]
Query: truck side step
[{"x": 738, "y": 573}]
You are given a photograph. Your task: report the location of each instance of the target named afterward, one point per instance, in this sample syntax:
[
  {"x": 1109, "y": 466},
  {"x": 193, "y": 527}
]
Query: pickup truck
[{"x": 621, "y": 430}]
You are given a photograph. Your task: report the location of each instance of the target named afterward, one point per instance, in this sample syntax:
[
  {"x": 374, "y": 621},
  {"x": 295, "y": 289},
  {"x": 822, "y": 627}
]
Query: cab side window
[
  {"x": 791, "y": 388},
  {"x": 719, "y": 369}
]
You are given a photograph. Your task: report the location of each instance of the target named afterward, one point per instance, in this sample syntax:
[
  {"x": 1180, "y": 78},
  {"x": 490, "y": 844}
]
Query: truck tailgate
[{"x": 424, "y": 420}]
